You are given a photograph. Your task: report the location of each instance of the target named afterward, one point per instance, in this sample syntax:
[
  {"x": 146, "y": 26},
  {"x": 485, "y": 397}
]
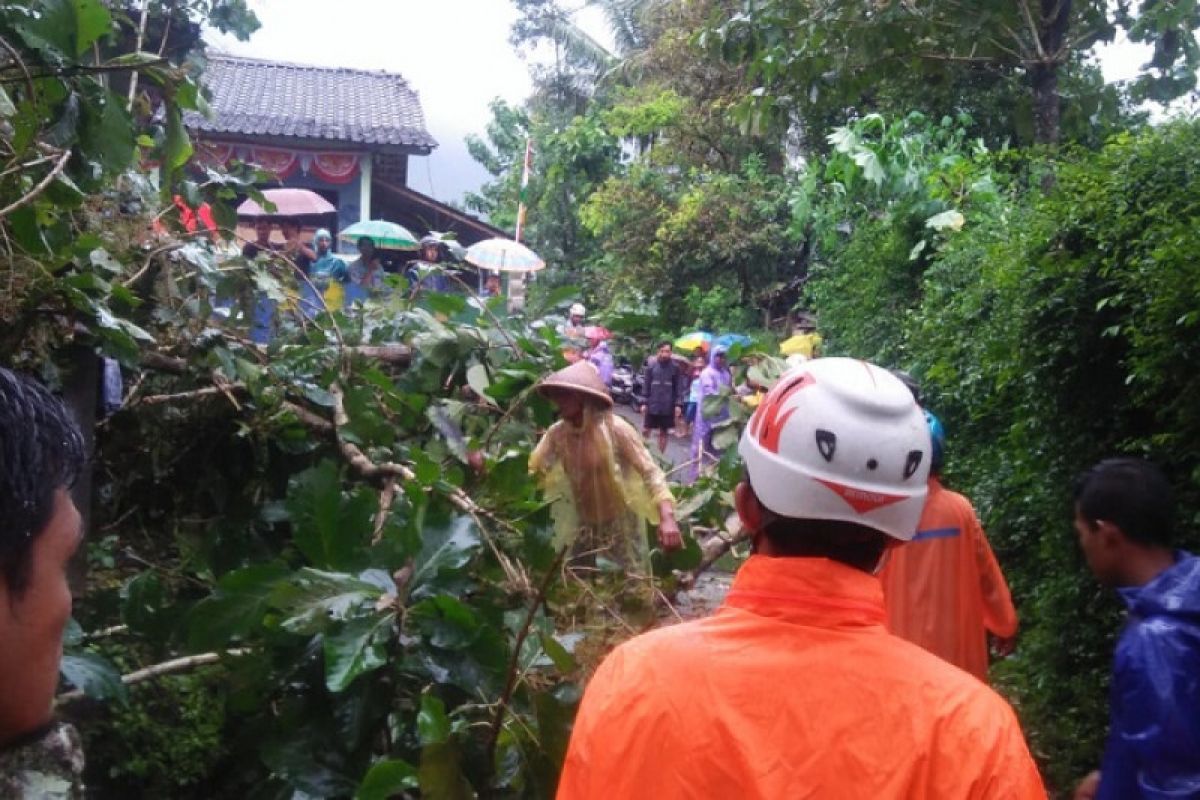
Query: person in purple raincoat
[{"x": 712, "y": 378}]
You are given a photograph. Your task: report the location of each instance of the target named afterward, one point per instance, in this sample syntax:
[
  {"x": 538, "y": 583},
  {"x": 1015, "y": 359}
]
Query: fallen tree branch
[
  {"x": 175, "y": 666},
  {"x": 366, "y": 468},
  {"x": 162, "y": 362},
  {"x": 30, "y": 196},
  {"x": 194, "y": 394},
  {"x": 308, "y": 418},
  {"x": 398, "y": 354},
  {"x": 715, "y": 548},
  {"x": 510, "y": 683}
]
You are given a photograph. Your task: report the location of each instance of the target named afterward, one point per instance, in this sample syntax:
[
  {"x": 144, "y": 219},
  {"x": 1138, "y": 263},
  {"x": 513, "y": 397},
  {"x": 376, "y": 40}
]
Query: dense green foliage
[{"x": 1049, "y": 332}]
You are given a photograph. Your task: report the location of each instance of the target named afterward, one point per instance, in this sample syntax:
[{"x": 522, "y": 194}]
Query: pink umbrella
[
  {"x": 597, "y": 332},
  {"x": 288, "y": 203}
]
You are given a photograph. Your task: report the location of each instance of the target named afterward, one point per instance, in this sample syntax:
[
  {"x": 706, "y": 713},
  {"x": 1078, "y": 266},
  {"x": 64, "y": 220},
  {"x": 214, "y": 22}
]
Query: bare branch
[
  {"x": 41, "y": 187},
  {"x": 185, "y": 664},
  {"x": 12, "y": 51},
  {"x": 510, "y": 683},
  {"x": 1033, "y": 29}
]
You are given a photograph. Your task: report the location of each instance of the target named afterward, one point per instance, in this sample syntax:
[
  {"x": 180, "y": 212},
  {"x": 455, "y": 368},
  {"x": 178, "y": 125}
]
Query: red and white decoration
[{"x": 331, "y": 167}]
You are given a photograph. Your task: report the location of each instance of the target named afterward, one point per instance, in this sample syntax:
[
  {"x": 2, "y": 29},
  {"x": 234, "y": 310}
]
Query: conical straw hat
[{"x": 579, "y": 377}]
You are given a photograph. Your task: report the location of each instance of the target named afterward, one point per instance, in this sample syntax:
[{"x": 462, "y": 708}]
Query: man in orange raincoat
[
  {"x": 944, "y": 589},
  {"x": 795, "y": 688}
]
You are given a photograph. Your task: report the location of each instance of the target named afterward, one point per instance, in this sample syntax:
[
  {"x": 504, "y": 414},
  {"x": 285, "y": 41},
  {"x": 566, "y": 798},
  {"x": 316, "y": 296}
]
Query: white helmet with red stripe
[{"x": 840, "y": 439}]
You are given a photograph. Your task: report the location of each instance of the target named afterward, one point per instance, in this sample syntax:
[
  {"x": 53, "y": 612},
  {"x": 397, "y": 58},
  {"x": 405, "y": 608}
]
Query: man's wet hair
[
  {"x": 662, "y": 343},
  {"x": 1132, "y": 494},
  {"x": 41, "y": 451},
  {"x": 847, "y": 543}
]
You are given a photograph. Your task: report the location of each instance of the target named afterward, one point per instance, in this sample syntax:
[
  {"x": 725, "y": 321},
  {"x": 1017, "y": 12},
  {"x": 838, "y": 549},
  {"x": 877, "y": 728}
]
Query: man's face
[
  {"x": 570, "y": 404},
  {"x": 664, "y": 353},
  {"x": 32, "y": 625},
  {"x": 430, "y": 253},
  {"x": 290, "y": 230},
  {"x": 262, "y": 229},
  {"x": 366, "y": 249},
  {"x": 1096, "y": 539},
  {"x": 322, "y": 245},
  {"x": 577, "y": 319}
]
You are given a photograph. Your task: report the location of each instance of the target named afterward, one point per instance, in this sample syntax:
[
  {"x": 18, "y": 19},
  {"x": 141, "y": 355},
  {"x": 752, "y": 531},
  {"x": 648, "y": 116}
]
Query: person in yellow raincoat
[
  {"x": 596, "y": 470},
  {"x": 795, "y": 688},
  {"x": 944, "y": 590}
]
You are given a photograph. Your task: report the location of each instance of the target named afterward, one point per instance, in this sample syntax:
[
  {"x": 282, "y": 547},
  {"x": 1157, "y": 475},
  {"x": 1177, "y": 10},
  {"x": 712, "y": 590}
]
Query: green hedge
[{"x": 1056, "y": 328}]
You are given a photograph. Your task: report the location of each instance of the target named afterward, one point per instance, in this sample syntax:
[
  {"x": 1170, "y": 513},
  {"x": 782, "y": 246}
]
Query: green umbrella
[{"x": 386, "y": 235}]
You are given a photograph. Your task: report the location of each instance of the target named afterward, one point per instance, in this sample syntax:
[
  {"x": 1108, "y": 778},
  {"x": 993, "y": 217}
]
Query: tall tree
[{"x": 839, "y": 53}]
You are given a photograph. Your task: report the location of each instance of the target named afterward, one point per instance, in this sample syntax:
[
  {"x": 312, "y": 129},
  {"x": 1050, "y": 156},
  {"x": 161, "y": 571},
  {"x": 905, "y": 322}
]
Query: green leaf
[
  {"x": 106, "y": 134},
  {"x": 356, "y": 649},
  {"x": 7, "y": 109},
  {"x": 236, "y": 608},
  {"x": 444, "y": 548},
  {"x": 433, "y": 726},
  {"x": 446, "y": 621},
  {"x": 144, "y": 606},
  {"x": 331, "y": 528},
  {"x": 478, "y": 380},
  {"x": 52, "y": 30},
  {"x": 94, "y": 675},
  {"x": 386, "y": 779},
  {"x": 561, "y": 296},
  {"x": 448, "y": 304},
  {"x": 92, "y": 21},
  {"x": 441, "y": 774},
  {"x": 564, "y": 662},
  {"x": 312, "y": 599},
  {"x": 725, "y": 436},
  {"x": 73, "y": 633}
]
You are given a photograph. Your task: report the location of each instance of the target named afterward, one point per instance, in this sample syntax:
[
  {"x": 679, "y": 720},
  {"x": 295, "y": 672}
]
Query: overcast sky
[{"x": 455, "y": 53}]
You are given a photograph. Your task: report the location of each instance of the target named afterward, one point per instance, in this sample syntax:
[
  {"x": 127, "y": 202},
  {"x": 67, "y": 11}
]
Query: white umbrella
[{"x": 504, "y": 255}]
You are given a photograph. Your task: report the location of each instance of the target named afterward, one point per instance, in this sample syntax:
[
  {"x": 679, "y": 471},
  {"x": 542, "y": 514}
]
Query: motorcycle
[{"x": 624, "y": 382}]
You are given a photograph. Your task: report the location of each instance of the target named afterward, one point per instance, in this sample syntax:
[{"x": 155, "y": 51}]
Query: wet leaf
[
  {"x": 94, "y": 675},
  {"x": 355, "y": 649},
  {"x": 386, "y": 779}
]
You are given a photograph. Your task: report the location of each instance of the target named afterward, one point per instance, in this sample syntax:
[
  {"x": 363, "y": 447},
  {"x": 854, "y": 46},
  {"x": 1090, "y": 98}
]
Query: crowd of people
[
  {"x": 850, "y": 656},
  {"x": 327, "y": 281}
]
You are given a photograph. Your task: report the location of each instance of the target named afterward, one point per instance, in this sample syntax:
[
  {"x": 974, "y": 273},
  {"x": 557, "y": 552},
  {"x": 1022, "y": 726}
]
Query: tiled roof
[{"x": 267, "y": 98}]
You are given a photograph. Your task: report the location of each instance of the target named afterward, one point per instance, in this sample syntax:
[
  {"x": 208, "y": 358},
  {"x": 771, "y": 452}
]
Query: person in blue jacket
[{"x": 1123, "y": 516}]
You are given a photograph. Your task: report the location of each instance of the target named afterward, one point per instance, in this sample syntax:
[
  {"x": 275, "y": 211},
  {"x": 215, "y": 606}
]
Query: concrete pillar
[
  {"x": 516, "y": 291},
  {"x": 364, "y": 187}
]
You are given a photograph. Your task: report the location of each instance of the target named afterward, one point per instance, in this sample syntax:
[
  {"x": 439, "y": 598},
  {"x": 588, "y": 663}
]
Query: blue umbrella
[{"x": 730, "y": 339}]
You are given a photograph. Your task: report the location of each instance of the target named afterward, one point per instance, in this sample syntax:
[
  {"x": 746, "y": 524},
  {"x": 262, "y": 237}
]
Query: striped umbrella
[
  {"x": 386, "y": 235},
  {"x": 697, "y": 340},
  {"x": 504, "y": 255}
]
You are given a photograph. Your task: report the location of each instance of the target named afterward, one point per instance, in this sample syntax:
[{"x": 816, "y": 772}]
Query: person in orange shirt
[
  {"x": 944, "y": 590},
  {"x": 795, "y": 688}
]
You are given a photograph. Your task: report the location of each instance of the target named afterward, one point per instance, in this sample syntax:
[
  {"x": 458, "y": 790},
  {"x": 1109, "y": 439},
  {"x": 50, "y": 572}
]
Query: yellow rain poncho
[{"x": 599, "y": 476}]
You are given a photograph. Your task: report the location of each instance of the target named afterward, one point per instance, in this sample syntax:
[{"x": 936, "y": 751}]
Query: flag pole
[{"x": 516, "y": 281}]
